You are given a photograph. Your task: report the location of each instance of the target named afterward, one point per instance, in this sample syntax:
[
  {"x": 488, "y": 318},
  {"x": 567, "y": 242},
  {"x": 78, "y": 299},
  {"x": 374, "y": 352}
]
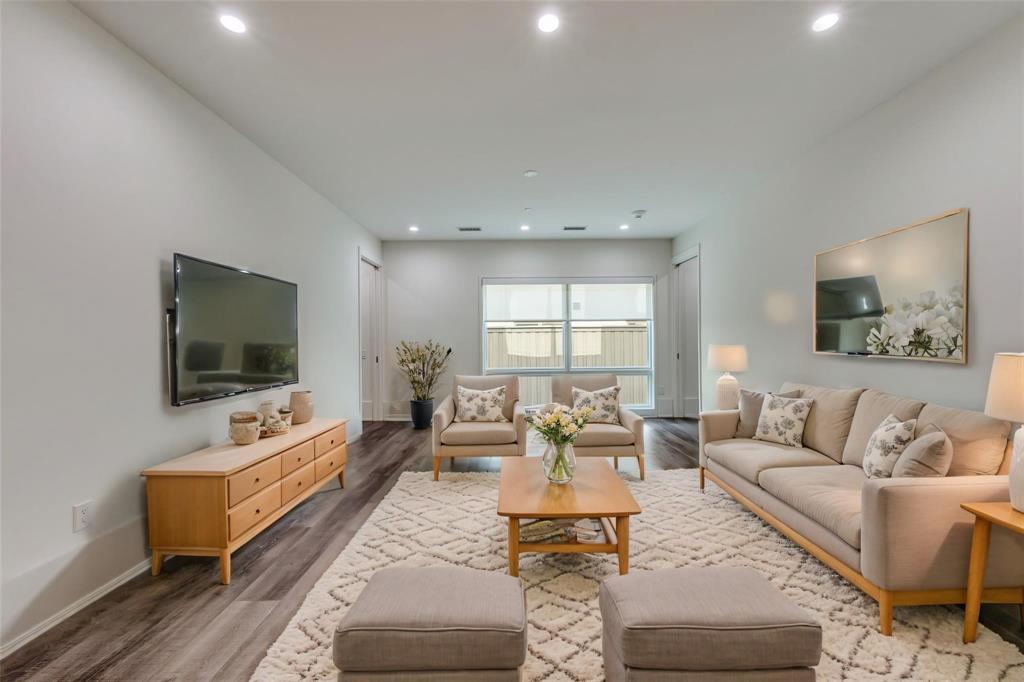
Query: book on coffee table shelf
[{"x": 561, "y": 530}]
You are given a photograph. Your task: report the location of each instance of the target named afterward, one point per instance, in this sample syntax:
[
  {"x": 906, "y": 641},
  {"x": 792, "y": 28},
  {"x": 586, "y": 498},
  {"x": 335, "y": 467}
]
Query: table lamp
[
  {"x": 727, "y": 359},
  {"x": 1006, "y": 401}
]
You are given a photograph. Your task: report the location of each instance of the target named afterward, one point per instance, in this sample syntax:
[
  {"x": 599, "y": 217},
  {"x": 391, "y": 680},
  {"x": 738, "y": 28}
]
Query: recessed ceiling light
[
  {"x": 414, "y": 228},
  {"x": 524, "y": 228},
  {"x": 825, "y": 22},
  {"x": 623, "y": 227},
  {"x": 548, "y": 23},
  {"x": 531, "y": 173},
  {"x": 232, "y": 23}
]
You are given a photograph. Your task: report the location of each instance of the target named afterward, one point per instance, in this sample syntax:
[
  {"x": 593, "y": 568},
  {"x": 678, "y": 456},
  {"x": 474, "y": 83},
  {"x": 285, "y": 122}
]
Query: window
[{"x": 539, "y": 327}]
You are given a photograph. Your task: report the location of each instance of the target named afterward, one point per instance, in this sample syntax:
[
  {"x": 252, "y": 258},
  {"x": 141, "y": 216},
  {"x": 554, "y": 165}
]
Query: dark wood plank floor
[{"x": 185, "y": 625}]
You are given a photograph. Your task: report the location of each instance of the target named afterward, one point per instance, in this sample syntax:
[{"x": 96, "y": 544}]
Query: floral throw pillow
[
  {"x": 604, "y": 402},
  {"x": 473, "y": 405},
  {"x": 886, "y": 445},
  {"x": 782, "y": 420}
]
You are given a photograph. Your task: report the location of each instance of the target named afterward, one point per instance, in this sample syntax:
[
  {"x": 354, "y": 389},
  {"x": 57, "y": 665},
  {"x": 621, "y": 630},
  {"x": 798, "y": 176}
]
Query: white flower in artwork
[{"x": 929, "y": 325}]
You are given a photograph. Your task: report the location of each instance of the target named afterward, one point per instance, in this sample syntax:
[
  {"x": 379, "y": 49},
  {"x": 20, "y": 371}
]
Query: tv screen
[{"x": 233, "y": 331}]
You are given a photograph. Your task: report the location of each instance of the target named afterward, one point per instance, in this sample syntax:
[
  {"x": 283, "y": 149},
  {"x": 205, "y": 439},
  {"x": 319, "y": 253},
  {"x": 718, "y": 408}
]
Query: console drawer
[
  {"x": 252, "y": 480},
  {"x": 298, "y": 482},
  {"x": 254, "y": 510},
  {"x": 331, "y": 462},
  {"x": 326, "y": 442},
  {"x": 297, "y": 457}
]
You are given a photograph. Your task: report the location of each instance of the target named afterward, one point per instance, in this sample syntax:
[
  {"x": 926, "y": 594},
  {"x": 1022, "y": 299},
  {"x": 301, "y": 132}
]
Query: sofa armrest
[
  {"x": 716, "y": 425},
  {"x": 519, "y": 422},
  {"x": 915, "y": 536},
  {"x": 635, "y": 423},
  {"x": 444, "y": 415}
]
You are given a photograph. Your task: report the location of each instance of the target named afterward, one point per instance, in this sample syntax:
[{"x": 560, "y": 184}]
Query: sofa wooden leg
[
  {"x": 640, "y": 463},
  {"x": 885, "y": 612},
  {"x": 437, "y": 467},
  {"x": 615, "y": 463},
  {"x": 701, "y": 469}
]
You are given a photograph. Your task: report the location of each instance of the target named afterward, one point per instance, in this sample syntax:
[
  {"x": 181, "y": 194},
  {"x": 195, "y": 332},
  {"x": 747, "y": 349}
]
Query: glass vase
[{"x": 559, "y": 463}]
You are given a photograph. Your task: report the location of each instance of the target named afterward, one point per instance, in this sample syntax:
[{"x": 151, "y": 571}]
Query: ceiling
[{"x": 428, "y": 113}]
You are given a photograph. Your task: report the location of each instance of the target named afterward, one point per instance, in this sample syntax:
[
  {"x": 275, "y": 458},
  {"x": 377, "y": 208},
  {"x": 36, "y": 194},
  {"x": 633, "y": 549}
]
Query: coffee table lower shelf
[{"x": 616, "y": 542}]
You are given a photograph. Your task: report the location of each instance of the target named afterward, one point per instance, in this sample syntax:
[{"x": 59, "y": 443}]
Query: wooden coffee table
[{"x": 596, "y": 491}]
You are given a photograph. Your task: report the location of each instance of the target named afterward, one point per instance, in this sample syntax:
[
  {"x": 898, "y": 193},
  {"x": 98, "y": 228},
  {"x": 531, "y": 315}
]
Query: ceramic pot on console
[
  {"x": 301, "y": 403},
  {"x": 244, "y": 427}
]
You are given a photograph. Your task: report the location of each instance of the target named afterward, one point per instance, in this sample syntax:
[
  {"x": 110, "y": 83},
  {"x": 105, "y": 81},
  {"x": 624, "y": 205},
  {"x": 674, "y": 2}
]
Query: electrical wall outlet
[{"x": 81, "y": 516}]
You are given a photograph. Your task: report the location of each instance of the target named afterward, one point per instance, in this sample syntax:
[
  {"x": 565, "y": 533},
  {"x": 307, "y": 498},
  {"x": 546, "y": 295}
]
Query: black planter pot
[{"x": 422, "y": 412}]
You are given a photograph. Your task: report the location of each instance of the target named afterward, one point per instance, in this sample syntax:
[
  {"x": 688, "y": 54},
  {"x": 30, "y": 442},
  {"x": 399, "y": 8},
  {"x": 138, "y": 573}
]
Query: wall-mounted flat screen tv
[{"x": 232, "y": 331}]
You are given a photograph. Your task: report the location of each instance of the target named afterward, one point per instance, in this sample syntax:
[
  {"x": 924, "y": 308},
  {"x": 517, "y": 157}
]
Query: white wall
[
  {"x": 108, "y": 168},
  {"x": 952, "y": 140},
  {"x": 433, "y": 291}
]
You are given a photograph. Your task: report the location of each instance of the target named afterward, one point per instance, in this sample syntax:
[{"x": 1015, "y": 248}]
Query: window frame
[{"x": 566, "y": 323}]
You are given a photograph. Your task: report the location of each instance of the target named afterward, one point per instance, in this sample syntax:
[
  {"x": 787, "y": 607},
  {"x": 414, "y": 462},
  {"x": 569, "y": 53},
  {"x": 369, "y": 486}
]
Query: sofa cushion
[
  {"x": 509, "y": 381},
  {"x": 485, "y": 405},
  {"x": 872, "y": 409},
  {"x": 979, "y": 441},
  {"x": 726, "y": 618},
  {"x": 595, "y": 434},
  {"x": 887, "y": 443},
  {"x": 928, "y": 456},
  {"x": 434, "y": 618},
  {"x": 749, "y": 458},
  {"x": 479, "y": 433},
  {"x": 782, "y": 420},
  {"x": 750, "y": 410},
  {"x": 828, "y": 424},
  {"x": 828, "y": 495}
]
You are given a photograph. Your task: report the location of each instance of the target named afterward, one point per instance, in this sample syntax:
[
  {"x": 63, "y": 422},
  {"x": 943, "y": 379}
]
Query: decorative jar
[
  {"x": 244, "y": 427},
  {"x": 301, "y": 403}
]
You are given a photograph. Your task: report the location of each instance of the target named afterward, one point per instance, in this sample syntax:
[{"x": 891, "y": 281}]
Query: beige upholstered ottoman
[
  {"x": 705, "y": 625},
  {"x": 434, "y": 623}
]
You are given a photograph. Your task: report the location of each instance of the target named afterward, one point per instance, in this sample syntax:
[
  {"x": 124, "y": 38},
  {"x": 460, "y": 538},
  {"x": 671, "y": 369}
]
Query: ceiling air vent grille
[
  {"x": 470, "y": 229},
  {"x": 574, "y": 228}
]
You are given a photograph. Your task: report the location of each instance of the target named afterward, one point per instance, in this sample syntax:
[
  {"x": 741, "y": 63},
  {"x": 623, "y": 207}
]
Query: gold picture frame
[{"x": 881, "y": 297}]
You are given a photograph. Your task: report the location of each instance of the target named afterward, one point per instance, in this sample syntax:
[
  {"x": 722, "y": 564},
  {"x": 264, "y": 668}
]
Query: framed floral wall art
[{"x": 902, "y": 294}]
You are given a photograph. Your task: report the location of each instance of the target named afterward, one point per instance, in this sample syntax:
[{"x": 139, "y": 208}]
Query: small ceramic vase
[
  {"x": 244, "y": 427},
  {"x": 287, "y": 415},
  {"x": 268, "y": 410},
  {"x": 301, "y": 403}
]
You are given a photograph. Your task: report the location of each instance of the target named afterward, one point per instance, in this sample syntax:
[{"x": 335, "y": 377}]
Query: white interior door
[
  {"x": 370, "y": 294},
  {"x": 688, "y": 337}
]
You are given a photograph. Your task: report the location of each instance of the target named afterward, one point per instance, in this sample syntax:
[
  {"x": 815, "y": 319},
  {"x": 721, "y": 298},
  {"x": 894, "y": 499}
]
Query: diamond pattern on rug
[{"x": 454, "y": 521}]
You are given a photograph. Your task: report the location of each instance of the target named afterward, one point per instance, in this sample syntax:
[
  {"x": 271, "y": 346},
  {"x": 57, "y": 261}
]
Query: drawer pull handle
[
  {"x": 257, "y": 511},
  {"x": 257, "y": 479},
  {"x": 300, "y": 484},
  {"x": 332, "y": 441}
]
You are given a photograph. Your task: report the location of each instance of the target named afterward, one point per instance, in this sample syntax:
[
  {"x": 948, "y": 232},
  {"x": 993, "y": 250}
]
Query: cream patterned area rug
[{"x": 422, "y": 522}]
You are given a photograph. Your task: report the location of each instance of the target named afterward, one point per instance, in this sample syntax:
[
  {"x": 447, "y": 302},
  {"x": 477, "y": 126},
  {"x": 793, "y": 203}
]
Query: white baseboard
[{"x": 24, "y": 638}]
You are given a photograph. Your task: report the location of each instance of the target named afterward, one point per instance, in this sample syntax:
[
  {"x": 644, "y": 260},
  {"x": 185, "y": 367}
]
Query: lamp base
[
  {"x": 1017, "y": 471},
  {"x": 727, "y": 392}
]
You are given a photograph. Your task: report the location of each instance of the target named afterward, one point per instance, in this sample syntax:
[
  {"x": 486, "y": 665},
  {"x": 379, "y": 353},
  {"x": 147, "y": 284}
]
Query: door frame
[
  {"x": 377, "y": 406},
  {"x": 679, "y": 403}
]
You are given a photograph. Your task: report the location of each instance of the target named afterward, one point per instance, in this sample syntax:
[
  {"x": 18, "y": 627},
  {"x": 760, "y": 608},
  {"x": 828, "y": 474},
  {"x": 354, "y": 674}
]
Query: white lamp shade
[
  {"x": 727, "y": 358},
  {"x": 1006, "y": 388}
]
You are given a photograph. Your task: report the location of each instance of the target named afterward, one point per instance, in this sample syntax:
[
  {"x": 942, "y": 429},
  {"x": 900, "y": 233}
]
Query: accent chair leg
[
  {"x": 640, "y": 463},
  {"x": 437, "y": 467},
  {"x": 701, "y": 469},
  {"x": 885, "y": 613},
  {"x": 156, "y": 562}
]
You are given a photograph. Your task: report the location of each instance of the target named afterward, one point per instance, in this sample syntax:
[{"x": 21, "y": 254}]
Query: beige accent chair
[
  {"x": 902, "y": 541},
  {"x": 479, "y": 439},
  {"x": 625, "y": 439}
]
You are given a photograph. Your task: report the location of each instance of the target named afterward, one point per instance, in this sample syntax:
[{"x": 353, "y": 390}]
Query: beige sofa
[
  {"x": 625, "y": 439},
  {"x": 479, "y": 439},
  {"x": 903, "y": 541}
]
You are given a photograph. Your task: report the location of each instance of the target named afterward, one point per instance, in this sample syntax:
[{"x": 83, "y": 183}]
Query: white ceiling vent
[
  {"x": 574, "y": 228},
  {"x": 470, "y": 228}
]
